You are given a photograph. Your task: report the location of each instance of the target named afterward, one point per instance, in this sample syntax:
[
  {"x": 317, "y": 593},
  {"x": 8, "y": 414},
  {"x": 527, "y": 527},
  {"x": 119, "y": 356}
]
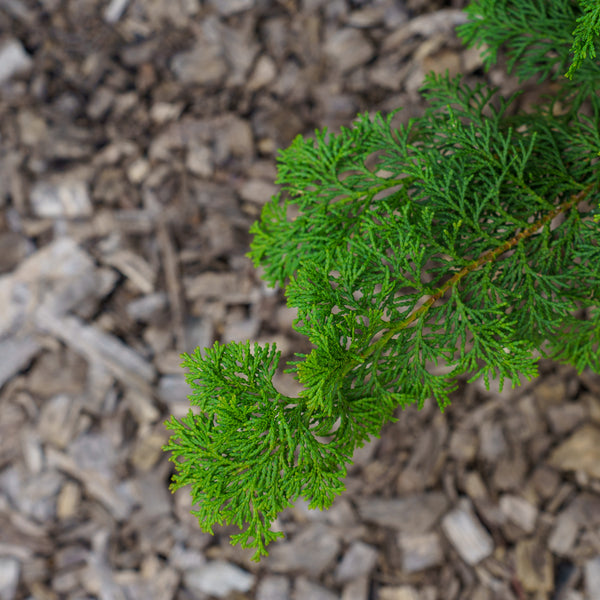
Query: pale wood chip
[
  {"x": 123, "y": 362},
  {"x": 534, "y": 566},
  {"x": 467, "y": 534}
]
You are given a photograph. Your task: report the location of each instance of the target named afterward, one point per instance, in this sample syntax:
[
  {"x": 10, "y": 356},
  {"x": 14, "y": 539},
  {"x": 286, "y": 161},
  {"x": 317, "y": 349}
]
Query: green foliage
[
  {"x": 246, "y": 452},
  {"x": 466, "y": 238},
  {"x": 543, "y": 40},
  {"x": 585, "y": 34}
]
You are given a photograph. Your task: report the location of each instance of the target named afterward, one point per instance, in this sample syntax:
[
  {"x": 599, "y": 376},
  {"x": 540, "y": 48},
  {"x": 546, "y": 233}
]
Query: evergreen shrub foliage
[{"x": 467, "y": 237}]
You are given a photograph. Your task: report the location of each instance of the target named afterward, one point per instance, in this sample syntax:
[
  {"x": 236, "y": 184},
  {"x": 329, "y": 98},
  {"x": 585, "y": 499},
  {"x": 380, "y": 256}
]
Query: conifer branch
[
  {"x": 488, "y": 256},
  {"x": 455, "y": 206}
]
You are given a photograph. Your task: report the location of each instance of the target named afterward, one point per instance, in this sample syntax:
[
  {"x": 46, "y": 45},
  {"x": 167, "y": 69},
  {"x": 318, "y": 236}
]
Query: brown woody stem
[{"x": 486, "y": 257}]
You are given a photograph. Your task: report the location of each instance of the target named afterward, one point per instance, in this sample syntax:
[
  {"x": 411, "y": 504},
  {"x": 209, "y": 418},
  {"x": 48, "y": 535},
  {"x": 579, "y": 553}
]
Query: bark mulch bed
[{"x": 137, "y": 145}]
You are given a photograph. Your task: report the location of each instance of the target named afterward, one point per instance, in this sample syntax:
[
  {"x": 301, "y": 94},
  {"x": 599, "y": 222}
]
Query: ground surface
[{"x": 137, "y": 145}]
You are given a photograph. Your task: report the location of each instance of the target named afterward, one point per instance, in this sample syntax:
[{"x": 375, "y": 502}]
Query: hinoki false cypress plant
[{"x": 467, "y": 237}]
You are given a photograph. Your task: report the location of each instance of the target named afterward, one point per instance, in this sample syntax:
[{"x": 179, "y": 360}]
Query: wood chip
[
  {"x": 579, "y": 452},
  {"x": 264, "y": 73},
  {"x": 305, "y": 589},
  {"x": 550, "y": 392},
  {"x": 16, "y": 353},
  {"x": 231, "y": 7},
  {"x": 510, "y": 472},
  {"x": 357, "y": 589},
  {"x": 205, "y": 64},
  {"x": 359, "y": 560},
  {"x": 60, "y": 276},
  {"x": 58, "y": 420},
  {"x": 134, "y": 267},
  {"x": 211, "y": 285},
  {"x": 14, "y": 60},
  {"x": 65, "y": 197},
  {"x": 545, "y": 481},
  {"x": 519, "y": 511},
  {"x": 492, "y": 443},
  {"x": 258, "y": 191},
  {"x": 349, "y": 48},
  {"x": 148, "y": 450},
  {"x": 467, "y": 534},
  {"x": 174, "y": 291},
  {"x": 218, "y": 578},
  {"x": 463, "y": 445},
  {"x": 14, "y": 248},
  {"x": 97, "y": 346},
  {"x": 563, "y": 535},
  {"x": 273, "y": 587},
  {"x": 116, "y": 500},
  {"x": 535, "y": 569},
  {"x": 68, "y": 501},
  {"x": 146, "y": 308},
  {"x": 592, "y": 578},
  {"x": 142, "y": 407},
  {"x": 426, "y": 459},
  {"x": 9, "y": 573},
  {"x": 402, "y": 592},
  {"x": 426, "y": 25},
  {"x": 114, "y": 10},
  {"x": 566, "y": 417},
  {"x": 199, "y": 160},
  {"x": 128, "y": 182},
  {"x": 420, "y": 552},
  {"x": 312, "y": 551},
  {"x": 414, "y": 514}
]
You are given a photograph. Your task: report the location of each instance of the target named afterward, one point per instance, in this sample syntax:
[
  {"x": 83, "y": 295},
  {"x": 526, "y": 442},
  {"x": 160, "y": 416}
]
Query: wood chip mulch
[{"x": 137, "y": 145}]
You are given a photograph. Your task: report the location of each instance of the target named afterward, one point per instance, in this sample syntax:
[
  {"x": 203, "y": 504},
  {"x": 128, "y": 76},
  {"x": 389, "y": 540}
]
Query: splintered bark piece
[
  {"x": 170, "y": 265},
  {"x": 97, "y": 346},
  {"x": 466, "y": 533}
]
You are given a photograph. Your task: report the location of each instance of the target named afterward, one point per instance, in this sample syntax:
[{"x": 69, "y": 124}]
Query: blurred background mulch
[{"x": 137, "y": 144}]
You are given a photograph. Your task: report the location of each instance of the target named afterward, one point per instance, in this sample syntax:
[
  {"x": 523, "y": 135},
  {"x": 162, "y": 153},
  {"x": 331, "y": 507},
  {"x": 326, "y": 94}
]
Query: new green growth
[{"x": 467, "y": 238}]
